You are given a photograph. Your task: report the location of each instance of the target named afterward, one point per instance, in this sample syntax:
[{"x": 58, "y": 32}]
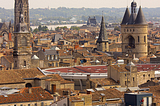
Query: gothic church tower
[
  {"x": 102, "y": 42},
  {"x": 21, "y": 7},
  {"x": 22, "y": 47},
  {"x": 134, "y": 32}
]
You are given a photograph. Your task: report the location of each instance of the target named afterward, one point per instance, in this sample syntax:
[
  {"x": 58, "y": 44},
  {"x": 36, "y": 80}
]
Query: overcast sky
[{"x": 8, "y": 4}]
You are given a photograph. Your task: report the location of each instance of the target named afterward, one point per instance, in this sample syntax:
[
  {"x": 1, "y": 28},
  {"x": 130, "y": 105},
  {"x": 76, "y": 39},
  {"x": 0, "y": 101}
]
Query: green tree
[
  {"x": 35, "y": 30},
  {"x": 117, "y": 28},
  {"x": 74, "y": 28}
]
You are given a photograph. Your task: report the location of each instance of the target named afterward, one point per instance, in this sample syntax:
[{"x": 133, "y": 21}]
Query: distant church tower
[
  {"x": 22, "y": 48},
  {"x": 134, "y": 32},
  {"x": 21, "y": 7},
  {"x": 102, "y": 42}
]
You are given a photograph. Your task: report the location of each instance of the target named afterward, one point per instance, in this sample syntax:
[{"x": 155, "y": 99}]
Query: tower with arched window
[
  {"x": 134, "y": 32},
  {"x": 22, "y": 47},
  {"x": 21, "y": 7}
]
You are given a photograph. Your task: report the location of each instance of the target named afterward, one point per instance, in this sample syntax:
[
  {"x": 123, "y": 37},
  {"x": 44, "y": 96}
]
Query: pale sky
[{"x": 8, "y": 4}]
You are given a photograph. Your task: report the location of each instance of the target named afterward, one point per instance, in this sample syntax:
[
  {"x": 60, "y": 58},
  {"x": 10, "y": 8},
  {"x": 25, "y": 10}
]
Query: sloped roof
[
  {"x": 132, "y": 18},
  {"x": 126, "y": 16},
  {"x": 103, "y": 34},
  {"x": 8, "y": 76},
  {"x": 104, "y": 81},
  {"x": 140, "y": 17},
  {"x": 28, "y": 73},
  {"x": 38, "y": 94},
  {"x": 35, "y": 57},
  {"x": 109, "y": 94}
]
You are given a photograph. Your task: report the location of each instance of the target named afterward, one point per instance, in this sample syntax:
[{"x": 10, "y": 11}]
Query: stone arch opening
[
  {"x": 131, "y": 43},
  {"x": 28, "y": 85}
]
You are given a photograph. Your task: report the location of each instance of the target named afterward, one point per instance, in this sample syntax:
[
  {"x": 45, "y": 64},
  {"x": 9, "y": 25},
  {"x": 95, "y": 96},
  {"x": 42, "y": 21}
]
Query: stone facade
[
  {"x": 22, "y": 47},
  {"x": 136, "y": 34},
  {"x": 21, "y": 7},
  {"x": 102, "y": 42},
  {"x": 128, "y": 75}
]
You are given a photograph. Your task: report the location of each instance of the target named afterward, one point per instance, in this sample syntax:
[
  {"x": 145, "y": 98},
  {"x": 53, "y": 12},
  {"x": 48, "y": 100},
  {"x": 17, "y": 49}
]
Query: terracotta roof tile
[{"x": 37, "y": 94}]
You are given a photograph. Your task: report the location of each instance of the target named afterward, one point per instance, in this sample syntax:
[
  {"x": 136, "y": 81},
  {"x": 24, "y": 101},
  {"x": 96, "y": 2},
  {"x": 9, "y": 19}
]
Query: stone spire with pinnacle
[
  {"x": 126, "y": 16},
  {"x": 103, "y": 34},
  {"x": 133, "y": 13},
  {"x": 140, "y": 17}
]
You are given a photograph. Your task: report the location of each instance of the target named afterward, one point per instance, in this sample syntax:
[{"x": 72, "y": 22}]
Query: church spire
[
  {"x": 140, "y": 17},
  {"x": 126, "y": 16},
  {"x": 103, "y": 33},
  {"x": 133, "y": 13}
]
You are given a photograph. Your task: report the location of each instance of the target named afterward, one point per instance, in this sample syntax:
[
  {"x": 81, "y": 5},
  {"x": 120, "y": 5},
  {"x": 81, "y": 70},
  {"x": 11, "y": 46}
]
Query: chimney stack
[
  {"x": 109, "y": 62},
  {"x": 29, "y": 89},
  {"x": 44, "y": 50}
]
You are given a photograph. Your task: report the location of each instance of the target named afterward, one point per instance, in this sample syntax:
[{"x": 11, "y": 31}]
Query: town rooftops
[{"x": 37, "y": 94}]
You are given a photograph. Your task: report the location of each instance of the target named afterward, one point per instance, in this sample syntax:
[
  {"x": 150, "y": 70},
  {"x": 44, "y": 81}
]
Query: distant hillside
[{"x": 111, "y": 14}]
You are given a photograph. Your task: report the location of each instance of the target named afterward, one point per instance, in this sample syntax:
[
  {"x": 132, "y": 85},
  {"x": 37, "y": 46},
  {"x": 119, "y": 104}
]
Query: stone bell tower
[
  {"x": 134, "y": 32},
  {"x": 21, "y": 7},
  {"x": 102, "y": 42},
  {"x": 22, "y": 47}
]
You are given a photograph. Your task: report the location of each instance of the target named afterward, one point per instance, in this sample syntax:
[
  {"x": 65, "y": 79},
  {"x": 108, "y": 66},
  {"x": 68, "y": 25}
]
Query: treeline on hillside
[{"x": 65, "y": 14}]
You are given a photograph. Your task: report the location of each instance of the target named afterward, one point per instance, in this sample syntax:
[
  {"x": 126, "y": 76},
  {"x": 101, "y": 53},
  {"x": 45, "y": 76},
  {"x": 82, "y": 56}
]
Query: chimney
[
  {"x": 88, "y": 82},
  {"x": 109, "y": 62},
  {"x": 88, "y": 77},
  {"x": 10, "y": 36},
  {"x": 55, "y": 98},
  {"x": 53, "y": 88},
  {"x": 44, "y": 50},
  {"x": 134, "y": 56},
  {"x": 29, "y": 89}
]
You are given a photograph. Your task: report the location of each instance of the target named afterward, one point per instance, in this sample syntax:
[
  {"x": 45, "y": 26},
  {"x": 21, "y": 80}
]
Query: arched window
[
  {"x": 144, "y": 38},
  {"x": 24, "y": 63},
  {"x": 24, "y": 41},
  {"x": 28, "y": 85},
  {"x": 131, "y": 43}
]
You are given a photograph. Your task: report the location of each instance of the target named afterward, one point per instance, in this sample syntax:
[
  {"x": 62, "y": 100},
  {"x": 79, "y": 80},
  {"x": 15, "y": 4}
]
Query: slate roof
[
  {"x": 140, "y": 17},
  {"x": 1, "y": 24},
  {"x": 134, "y": 18},
  {"x": 57, "y": 37},
  {"x": 126, "y": 16},
  {"x": 103, "y": 34}
]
